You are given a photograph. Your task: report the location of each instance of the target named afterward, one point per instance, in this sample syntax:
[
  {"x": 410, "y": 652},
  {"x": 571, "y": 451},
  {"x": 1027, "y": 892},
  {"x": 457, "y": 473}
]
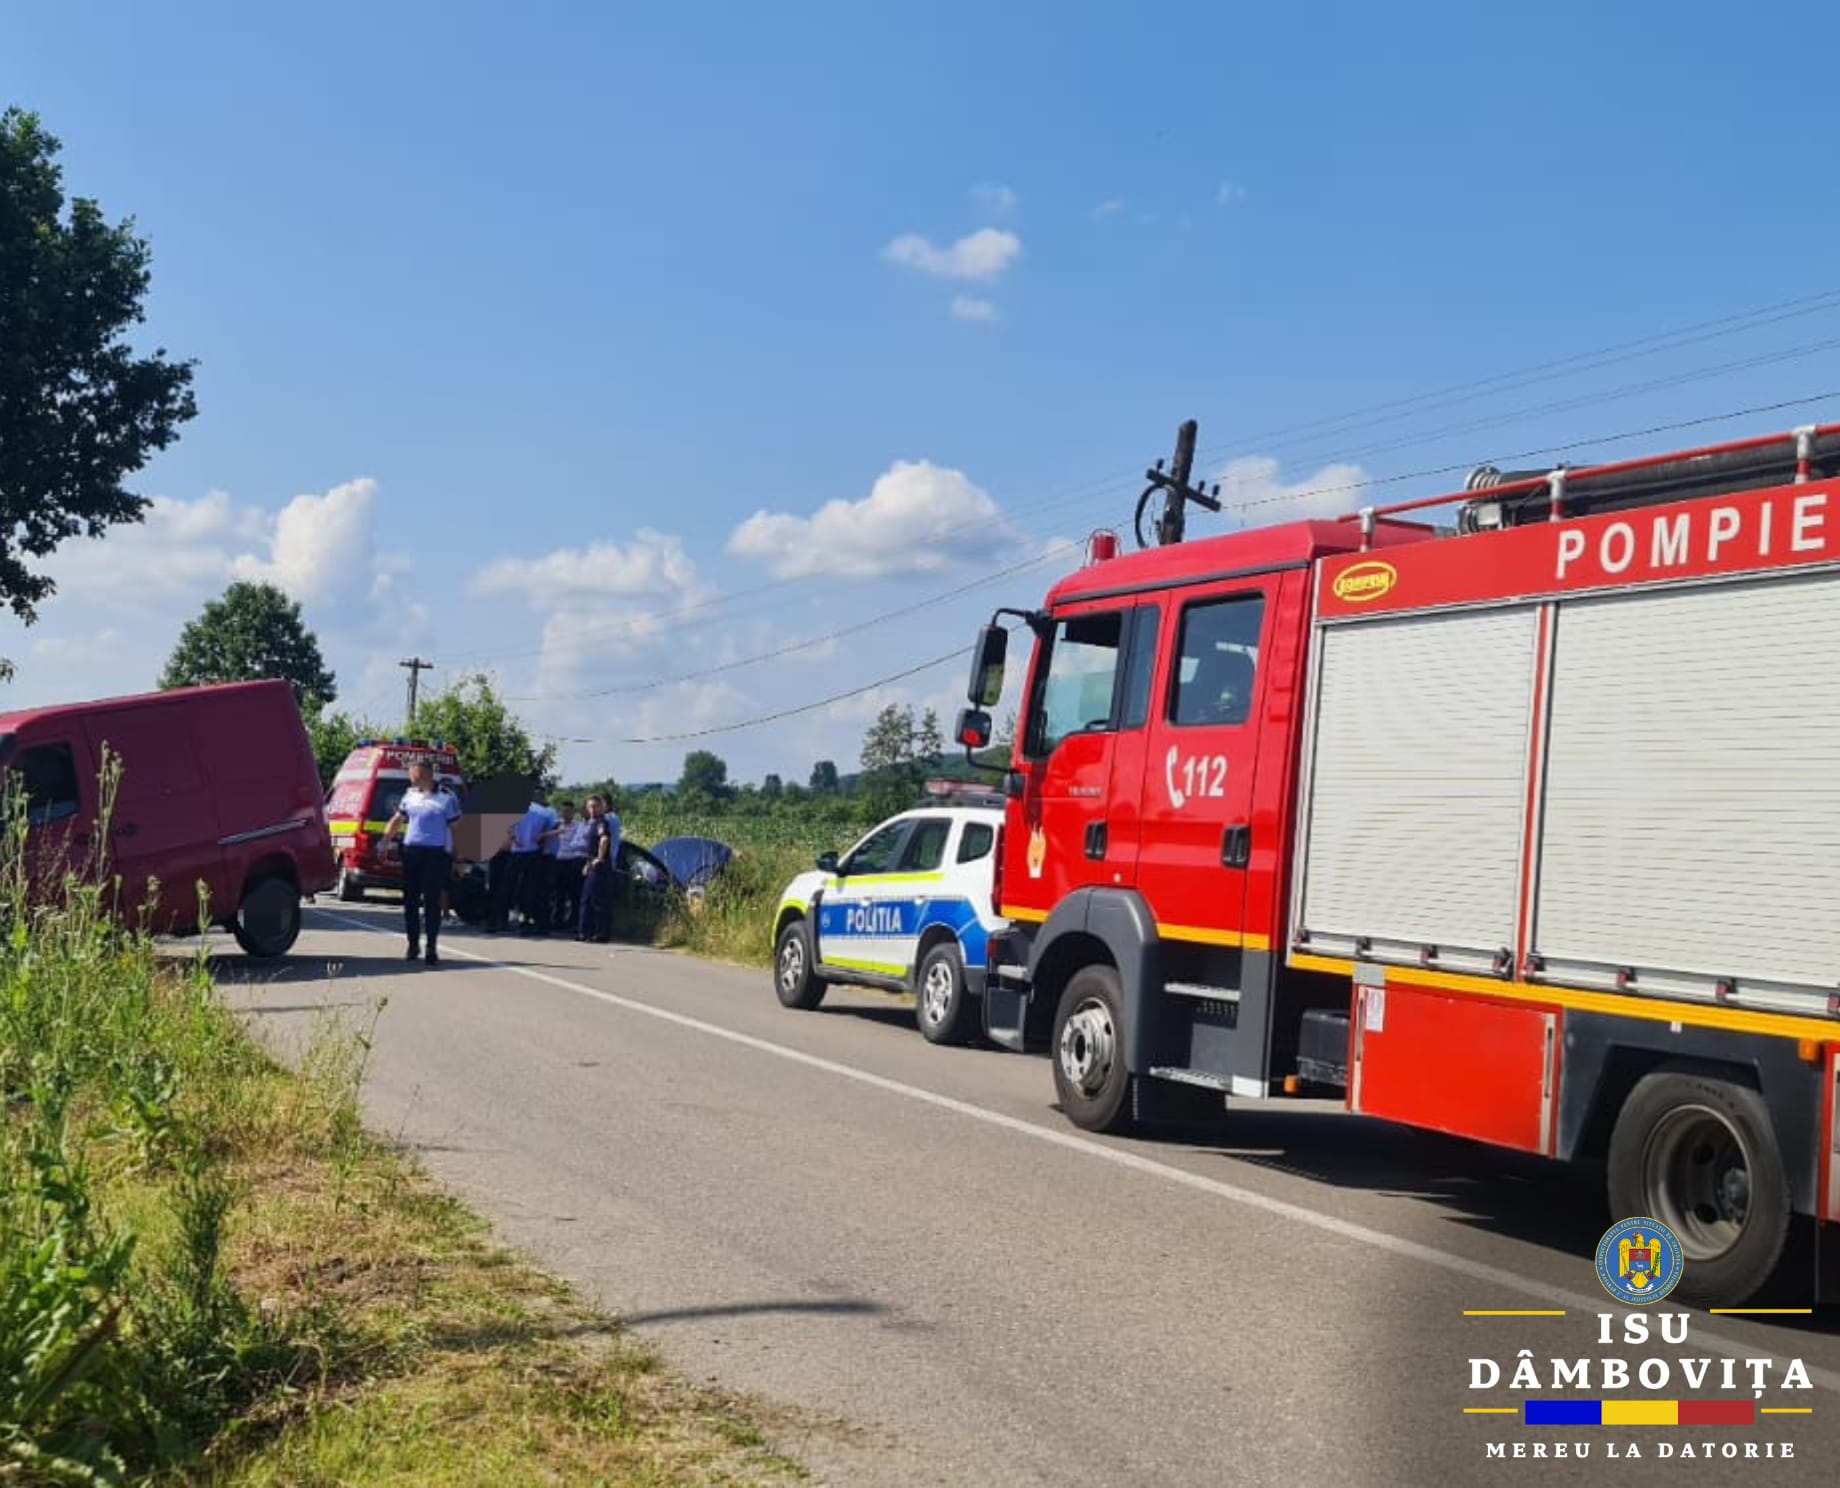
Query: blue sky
[{"x": 536, "y": 339}]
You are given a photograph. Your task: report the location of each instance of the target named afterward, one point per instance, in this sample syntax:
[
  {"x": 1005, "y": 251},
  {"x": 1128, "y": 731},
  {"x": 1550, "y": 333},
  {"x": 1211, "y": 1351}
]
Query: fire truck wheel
[
  {"x": 1699, "y": 1154},
  {"x": 941, "y": 1003},
  {"x": 1089, "y": 1072},
  {"x": 267, "y": 922},
  {"x": 792, "y": 971},
  {"x": 350, "y": 891}
]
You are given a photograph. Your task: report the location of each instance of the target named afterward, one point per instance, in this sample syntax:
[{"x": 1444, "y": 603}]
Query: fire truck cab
[
  {"x": 1526, "y": 831},
  {"x": 363, "y": 798}
]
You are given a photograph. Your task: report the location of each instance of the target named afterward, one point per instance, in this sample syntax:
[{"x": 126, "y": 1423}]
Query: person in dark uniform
[{"x": 596, "y": 922}]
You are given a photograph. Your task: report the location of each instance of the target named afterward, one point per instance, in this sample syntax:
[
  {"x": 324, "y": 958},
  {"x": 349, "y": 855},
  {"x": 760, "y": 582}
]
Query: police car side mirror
[{"x": 827, "y": 862}]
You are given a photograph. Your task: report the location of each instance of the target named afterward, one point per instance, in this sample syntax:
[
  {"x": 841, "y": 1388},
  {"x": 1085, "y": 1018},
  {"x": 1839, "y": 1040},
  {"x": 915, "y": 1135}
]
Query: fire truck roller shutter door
[
  {"x": 1693, "y": 784},
  {"x": 1418, "y": 786}
]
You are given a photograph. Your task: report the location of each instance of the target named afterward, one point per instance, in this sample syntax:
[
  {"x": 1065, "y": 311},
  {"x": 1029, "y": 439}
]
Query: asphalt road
[{"x": 923, "y": 1274}]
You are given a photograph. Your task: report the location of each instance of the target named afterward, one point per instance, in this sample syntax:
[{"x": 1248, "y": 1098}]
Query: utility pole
[
  {"x": 415, "y": 666},
  {"x": 1177, "y": 492}
]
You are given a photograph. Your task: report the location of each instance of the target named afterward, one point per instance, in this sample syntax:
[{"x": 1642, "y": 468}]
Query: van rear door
[{"x": 164, "y": 824}]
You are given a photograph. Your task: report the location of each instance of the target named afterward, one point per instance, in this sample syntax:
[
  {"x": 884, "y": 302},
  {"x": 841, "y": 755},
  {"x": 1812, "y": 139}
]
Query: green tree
[
  {"x": 252, "y": 633},
  {"x": 334, "y": 736},
  {"x": 79, "y": 411},
  {"x": 892, "y": 771},
  {"x": 928, "y": 744},
  {"x": 704, "y": 774},
  {"x": 490, "y": 740},
  {"x": 772, "y": 788},
  {"x": 824, "y": 781},
  {"x": 889, "y": 743}
]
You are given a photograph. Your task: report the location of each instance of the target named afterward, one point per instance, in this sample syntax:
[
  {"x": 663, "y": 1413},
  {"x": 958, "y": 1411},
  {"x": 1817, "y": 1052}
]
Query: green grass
[{"x": 210, "y": 1274}]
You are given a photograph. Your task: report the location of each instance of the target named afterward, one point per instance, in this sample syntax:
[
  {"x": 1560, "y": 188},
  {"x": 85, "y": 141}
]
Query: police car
[{"x": 908, "y": 909}]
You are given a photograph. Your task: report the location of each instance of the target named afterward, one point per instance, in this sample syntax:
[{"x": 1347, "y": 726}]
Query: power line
[
  {"x": 1610, "y": 395},
  {"x": 1589, "y": 400},
  {"x": 955, "y": 654},
  {"x": 961, "y": 651},
  {"x": 794, "y": 646},
  {"x": 1590, "y": 361},
  {"x": 1547, "y": 449},
  {"x": 1654, "y": 344}
]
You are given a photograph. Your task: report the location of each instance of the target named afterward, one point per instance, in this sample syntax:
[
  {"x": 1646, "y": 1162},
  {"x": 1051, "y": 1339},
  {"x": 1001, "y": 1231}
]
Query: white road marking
[{"x": 1072, "y": 1141}]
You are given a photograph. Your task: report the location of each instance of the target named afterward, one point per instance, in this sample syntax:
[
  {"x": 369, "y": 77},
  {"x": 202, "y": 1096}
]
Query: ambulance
[{"x": 364, "y": 796}]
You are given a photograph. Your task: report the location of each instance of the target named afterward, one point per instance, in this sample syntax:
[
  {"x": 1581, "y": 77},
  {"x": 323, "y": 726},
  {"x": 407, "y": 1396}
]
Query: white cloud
[
  {"x": 1108, "y": 208},
  {"x": 317, "y": 548},
  {"x": 917, "y": 518},
  {"x": 652, "y": 564},
  {"x": 966, "y": 307},
  {"x": 122, "y": 601},
  {"x": 982, "y": 255},
  {"x": 1229, "y": 193},
  {"x": 994, "y": 196},
  {"x": 320, "y": 547},
  {"x": 1252, "y": 483}
]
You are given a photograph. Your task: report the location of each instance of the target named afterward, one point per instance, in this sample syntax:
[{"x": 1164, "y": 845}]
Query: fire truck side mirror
[
  {"x": 986, "y": 689},
  {"x": 973, "y": 729}
]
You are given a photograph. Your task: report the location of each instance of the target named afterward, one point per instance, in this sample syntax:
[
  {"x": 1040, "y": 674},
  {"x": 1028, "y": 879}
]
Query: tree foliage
[
  {"x": 898, "y": 752},
  {"x": 79, "y": 410},
  {"x": 254, "y": 632},
  {"x": 334, "y": 736},
  {"x": 824, "y": 779},
  {"x": 704, "y": 774},
  {"x": 490, "y": 740}
]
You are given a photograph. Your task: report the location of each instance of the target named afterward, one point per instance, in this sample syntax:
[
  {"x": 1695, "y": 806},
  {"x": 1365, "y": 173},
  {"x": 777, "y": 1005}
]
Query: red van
[{"x": 218, "y": 788}]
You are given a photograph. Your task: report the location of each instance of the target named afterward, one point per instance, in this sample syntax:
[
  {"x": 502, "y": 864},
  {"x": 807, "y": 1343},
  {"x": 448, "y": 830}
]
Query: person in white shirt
[
  {"x": 425, "y": 818},
  {"x": 531, "y": 835},
  {"x": 571, "y": 863}
]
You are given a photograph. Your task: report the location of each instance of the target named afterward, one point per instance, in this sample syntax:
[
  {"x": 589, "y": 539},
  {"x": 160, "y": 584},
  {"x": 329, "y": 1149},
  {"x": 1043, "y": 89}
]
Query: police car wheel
[
  {"x": 793, "y": 979},
  {"x": 267, "y": 922},
  {"x": 1699, "y": 1154},
  {"x": 1088, "y": 1050},
  {"x": 941, "y": 1003}
]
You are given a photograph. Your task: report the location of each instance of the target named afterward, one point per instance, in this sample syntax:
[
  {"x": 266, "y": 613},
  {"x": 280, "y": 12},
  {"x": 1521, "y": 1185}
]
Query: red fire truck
[{"x": 1525, "y": 830}]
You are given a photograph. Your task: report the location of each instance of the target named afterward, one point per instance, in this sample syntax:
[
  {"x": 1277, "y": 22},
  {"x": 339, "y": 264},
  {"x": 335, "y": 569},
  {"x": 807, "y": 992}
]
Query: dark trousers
[
  {"x": 426, "y": 872},
  {"x": 536, "y": 892},
  {"x": 499, "y": 884},
  {"x": 596, "y": 919},
  {"x": 569, "y": 873}
]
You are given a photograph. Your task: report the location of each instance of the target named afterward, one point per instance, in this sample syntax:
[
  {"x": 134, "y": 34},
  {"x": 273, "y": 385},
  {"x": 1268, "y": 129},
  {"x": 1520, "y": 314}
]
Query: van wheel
[
  {"x": 350, "y": 890},
  {"x": 792, "y": 970},
  {"x": 1089, "y": 1072},
  {"x": 1699, "y": 1154},
  {"x": 941, "y": 1003},
  {"x": 267, "y": 922}
]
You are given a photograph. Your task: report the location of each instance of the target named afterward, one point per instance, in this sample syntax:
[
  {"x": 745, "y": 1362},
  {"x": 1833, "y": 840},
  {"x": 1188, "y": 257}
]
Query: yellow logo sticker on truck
[{"x": 1364, "y": 582}]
